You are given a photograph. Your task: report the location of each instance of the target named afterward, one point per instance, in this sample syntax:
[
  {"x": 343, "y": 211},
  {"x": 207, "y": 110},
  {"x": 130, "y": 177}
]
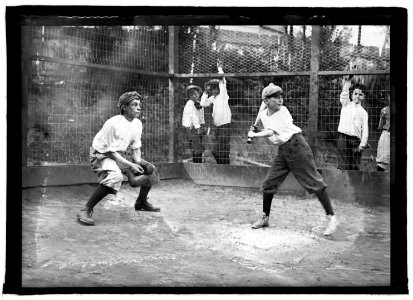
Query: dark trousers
[
  {"x": 295, "y": 156},
  {"x": 348, "y": 157},
  {"x": 222, "y": 144},
  {"x": 195, "y": 143}
]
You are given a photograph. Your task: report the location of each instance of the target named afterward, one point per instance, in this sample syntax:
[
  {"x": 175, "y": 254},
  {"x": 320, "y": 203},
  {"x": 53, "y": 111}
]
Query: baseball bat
[
  {"x": 255, "y": 129},
  {"x": 255, "y": 126}
]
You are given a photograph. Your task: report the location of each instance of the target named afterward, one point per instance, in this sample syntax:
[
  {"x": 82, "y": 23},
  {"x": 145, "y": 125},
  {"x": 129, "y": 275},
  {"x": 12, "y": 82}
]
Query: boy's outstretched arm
[{"x": 262, "y": 133}]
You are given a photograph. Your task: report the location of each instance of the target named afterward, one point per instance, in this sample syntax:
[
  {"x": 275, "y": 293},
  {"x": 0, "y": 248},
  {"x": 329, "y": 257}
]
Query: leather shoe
[
  {"x": 85, "y": 216},
  {"x": 146, "y": 206}
]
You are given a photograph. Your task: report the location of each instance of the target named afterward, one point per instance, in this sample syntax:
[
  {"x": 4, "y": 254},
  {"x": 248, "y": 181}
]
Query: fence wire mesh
[
  {"x": 244, "y": 49},
  {"x": 64, "y": 116},
  {"x": 375, "y": 89},
  {"x": 346, "y": 48},
  {"x": 68, "y": 103},
  {"x": 78, "y": 73},
  {"x": 136, "y": 47}
]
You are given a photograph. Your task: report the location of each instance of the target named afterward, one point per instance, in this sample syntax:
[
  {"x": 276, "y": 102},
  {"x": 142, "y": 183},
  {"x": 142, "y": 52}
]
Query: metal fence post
[
  {"x": 313, "y": 101},
  {"x": 173, "y": 68},
  {"x": 26, "y": 47}
]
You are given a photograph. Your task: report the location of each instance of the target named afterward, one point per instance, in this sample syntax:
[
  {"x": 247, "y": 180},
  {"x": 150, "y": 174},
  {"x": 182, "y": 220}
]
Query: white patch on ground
[
  {"x": 268, "y": 238},
  {"x": 294, "y": 234}
]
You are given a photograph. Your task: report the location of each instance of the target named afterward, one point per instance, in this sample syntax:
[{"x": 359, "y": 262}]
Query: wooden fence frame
[{"x": 173, "y": 76}]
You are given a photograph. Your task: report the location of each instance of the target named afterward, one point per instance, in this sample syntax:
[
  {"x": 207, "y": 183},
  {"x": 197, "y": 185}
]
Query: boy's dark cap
[
  {"x": 190, "y": 87},
  {"x": 271, "y": 90},
  {"x": 127, "y": 97}
]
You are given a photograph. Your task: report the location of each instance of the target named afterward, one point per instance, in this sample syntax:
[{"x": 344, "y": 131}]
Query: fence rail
[{"x": 97, "y": 66}]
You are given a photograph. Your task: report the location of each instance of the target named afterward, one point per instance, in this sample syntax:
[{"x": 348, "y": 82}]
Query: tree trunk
[
  {"x": 359, "y": 37},
  {"x": 386, "y": 38}
]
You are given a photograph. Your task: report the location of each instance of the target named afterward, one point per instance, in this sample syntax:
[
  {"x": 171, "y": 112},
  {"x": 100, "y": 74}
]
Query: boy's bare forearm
[
  {"x": 262, "y": 133},
  {"x": 137, "y": 155}
]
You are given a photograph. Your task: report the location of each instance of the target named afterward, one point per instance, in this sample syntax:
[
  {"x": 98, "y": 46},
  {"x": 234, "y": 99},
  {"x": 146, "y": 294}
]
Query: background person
[
  {"x": 353, "y": 127},
  {"x": 193, "y": 121},
  {"x": 383, "y": 147},
  {"x": 216, "y": 94}
]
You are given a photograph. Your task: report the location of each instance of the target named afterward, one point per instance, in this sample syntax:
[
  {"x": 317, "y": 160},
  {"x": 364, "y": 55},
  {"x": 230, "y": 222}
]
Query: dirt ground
[{"x": 202, "y": 237}]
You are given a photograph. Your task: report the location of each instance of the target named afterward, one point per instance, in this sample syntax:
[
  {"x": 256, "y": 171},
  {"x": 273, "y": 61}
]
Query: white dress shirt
[
  {"x": 281, "y": 122},
  {"x": 192, "y": 117},
  {"x": 353, "y": 119},
  {"x": 221, "y": 113},
  {"x": 117, "y": 134}
]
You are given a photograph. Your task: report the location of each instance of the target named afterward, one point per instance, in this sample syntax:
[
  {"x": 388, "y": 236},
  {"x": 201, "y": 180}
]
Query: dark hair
[
  {"x": 192, "y": 91},
  {"x": 354, "y": 87},
  {"x": 122, "y": 111}
]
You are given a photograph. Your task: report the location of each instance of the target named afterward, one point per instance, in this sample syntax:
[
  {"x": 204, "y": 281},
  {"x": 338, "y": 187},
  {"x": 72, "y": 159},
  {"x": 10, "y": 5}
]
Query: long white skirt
[{"x": 383, "y": 148}]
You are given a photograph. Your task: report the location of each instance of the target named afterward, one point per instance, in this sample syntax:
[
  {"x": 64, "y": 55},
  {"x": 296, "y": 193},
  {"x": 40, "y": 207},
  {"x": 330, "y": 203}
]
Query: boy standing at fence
[
  {"x": 383, "y": 147},
  {"x": 216, "y": 94},
  {"x": 294, "y": 154},
  {"x": 353, "y": 127},
  {"x": 107, "y": 161},
  {"x": 193, "y": 121}
]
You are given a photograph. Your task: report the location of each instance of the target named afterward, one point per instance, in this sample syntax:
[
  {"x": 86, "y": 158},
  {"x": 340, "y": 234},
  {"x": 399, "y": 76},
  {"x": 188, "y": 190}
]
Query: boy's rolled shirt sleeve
[
  {"x": 202, "y": 117},
  {"x": 194, "y": 118},
  {"x": 185, "y": 115},
  {"x": 222, "y": 86},
  {"x": 136, "y": 144},
  {"x": 365, "y": 131},
  {"x": 345, "y": 97},
  {"x": 205, "y": 101},
  {"x": 222, "y": 82},
  {"x": 105, "y": 140}
]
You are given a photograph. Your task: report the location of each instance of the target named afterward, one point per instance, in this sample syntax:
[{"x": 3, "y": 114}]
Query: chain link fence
[
  {"x": 78, "y": 73},
  {"x": 73, "y": 91},
  {"x": 344, "y": 48},
  {"x": 255, "y": 49},
  {"x": 135, "y": 47},
  {"x": 330, "y": 87}
]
